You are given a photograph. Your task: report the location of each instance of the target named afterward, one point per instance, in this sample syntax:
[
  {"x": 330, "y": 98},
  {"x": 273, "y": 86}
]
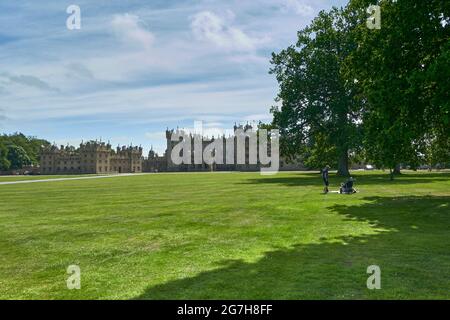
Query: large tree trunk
[
  {"x": 391, "y": 174},
  {"x": 343, "y": 164}
]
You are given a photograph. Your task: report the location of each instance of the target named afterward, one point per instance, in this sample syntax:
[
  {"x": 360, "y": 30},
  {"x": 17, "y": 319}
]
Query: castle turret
[{"x": 151, "y": 153}]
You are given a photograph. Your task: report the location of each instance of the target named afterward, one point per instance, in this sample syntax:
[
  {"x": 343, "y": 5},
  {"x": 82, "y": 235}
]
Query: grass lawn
[
  {"x": 12, "y": 178},
  {"x": 226, "y": 236}
]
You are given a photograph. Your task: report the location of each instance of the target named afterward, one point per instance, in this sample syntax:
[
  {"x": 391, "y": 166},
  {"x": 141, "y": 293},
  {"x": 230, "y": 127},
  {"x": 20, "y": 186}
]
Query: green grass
[
  {"x": 39, "y": 177},
  {"x": 226, "y": 236}
]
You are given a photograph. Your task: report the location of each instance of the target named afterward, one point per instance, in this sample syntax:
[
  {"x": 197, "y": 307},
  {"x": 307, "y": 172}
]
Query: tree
[
  {"x": 31, "y": 145},
  {"x": 401, "y": 71},
  {"x": 17, "y": 157},
  {"x": 438, "y": 151},
  {"x": 319, "y": 115},
  {"x": 436, "y": 90},
  {"x": 320, "y": 152},
  {"x": 4, "y": 162}
]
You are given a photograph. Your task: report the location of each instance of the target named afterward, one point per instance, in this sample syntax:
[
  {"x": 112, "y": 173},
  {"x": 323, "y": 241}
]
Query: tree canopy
[
  {"x": 18, "y": 150},
  {"x": 318, "y": 113},
  {"x": 382, "y": 94},
  {"x": 397, "y": 71}
]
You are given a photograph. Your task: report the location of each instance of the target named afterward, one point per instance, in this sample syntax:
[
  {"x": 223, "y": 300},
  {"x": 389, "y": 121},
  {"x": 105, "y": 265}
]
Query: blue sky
[{"x": 136, "y": 67}]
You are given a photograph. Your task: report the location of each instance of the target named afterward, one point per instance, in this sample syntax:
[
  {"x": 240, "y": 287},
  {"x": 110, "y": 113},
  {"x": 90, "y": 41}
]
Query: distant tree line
[
  {"x": 350, "y": 93},
  {"x": 18, "y": 150}
]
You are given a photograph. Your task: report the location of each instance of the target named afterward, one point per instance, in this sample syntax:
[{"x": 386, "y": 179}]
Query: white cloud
[
  {"x": 298, "y": 6},
  {"x": 29, "y": 81},
  {"x": 79, "y": 70},
  {"x": 157, "y": 135},
  {"x": 156, "y": 103},
  {"x": 264, "y": 117},
  {"x": 208, "y": 26},
  {"x": 159, "y": 65},
  {"x": 2, "y": 117},
  {"x": 131, "y": 30}
]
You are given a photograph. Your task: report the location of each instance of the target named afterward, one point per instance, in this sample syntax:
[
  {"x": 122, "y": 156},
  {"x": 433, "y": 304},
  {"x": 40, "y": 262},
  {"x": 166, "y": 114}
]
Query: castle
[
  {"x": 239, "y": 131},
  {"x": 163, "y": 163},
  {"x": 91, "y": 157},
  {"x": 95, "y": 157}
]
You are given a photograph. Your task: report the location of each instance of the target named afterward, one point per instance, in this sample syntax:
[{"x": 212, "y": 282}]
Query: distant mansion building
[
  {"x": 91, "y": 157},
  {"x": 99, "y": 158},
  {"x": 234, "y": 166},
  {"x": 163, "y": 163}
]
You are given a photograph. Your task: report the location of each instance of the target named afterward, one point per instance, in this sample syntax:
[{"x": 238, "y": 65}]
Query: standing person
[{"x": 325, "y": 178}]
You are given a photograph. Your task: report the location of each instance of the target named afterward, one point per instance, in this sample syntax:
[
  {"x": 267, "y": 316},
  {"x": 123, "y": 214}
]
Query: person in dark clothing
[
  {"x": 347, "y": 187},
  {"x": 325, "y": 178}
]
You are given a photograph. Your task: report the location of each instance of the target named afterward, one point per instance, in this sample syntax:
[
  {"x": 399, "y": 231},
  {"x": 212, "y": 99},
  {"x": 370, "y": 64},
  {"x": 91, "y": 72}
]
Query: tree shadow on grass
[
  {"x": 409, "y": 242},
  {"x": 315, "y": 179}
]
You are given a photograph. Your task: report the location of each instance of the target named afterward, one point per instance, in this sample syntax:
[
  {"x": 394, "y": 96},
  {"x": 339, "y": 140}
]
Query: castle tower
[{"x": 169, "y": 148}]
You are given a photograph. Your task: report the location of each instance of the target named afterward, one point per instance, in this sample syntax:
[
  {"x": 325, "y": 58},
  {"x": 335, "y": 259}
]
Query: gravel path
[{"x": 76, "y": 178}]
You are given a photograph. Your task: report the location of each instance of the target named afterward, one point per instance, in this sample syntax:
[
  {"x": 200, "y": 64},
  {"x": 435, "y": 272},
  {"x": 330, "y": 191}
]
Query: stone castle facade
[
  {"x": 234, "y": 166},
  {"x": 95, "y": 157},
  {"x": 163, "y": 163},
  {"x": 92, "y": 157}
]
